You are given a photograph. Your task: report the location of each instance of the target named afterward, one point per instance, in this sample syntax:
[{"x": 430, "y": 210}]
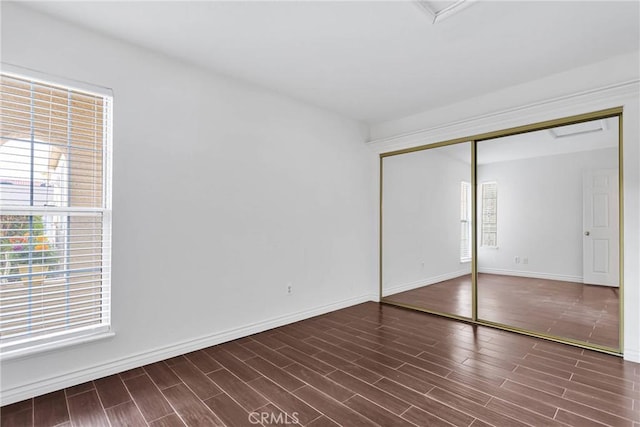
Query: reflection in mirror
[
  {"x": 548, "y": 232},
  {"x": 426, "y": 229}
]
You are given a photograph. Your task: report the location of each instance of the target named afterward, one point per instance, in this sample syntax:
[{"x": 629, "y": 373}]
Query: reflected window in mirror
[
  {"x": 465, "y": 221},
  {"x": 489, "y": 219}
]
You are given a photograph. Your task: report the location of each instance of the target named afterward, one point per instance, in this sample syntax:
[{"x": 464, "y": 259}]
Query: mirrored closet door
[
  {"x": 427, "y": 229},
  {"x": 517, "y": 229},
  {"x": 548, "y": 232}
]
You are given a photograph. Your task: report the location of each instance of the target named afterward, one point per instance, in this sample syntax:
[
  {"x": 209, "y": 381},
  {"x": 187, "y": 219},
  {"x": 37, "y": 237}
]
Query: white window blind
[
  {"x": 465, "y": 221},
  {"x": 489, "y": 216},
  {"x": 55, "y": 212}
]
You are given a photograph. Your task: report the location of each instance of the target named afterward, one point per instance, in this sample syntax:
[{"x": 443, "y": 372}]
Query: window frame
[{"x": 30, "y": 345}]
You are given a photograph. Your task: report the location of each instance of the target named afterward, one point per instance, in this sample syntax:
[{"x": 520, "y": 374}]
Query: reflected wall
[{"x": 426, "y": 229}]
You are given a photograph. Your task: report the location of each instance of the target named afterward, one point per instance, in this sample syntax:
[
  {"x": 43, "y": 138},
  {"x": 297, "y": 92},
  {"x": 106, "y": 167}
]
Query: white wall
[
  {"x": 540, "y": 213},
  {"x": 612, "y": 72},
  {"x": 421, "y": 218},
  {"x": 607, "y": 84},
  {"x": 223, "y": 193}
]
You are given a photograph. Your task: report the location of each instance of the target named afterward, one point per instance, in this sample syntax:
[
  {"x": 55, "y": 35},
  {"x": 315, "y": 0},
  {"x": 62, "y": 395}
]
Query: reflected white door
[{"x": 600, "y": 247}]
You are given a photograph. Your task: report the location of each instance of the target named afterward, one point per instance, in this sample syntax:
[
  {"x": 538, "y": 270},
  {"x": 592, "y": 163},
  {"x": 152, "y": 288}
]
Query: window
[
  {"x": 55, "y": 216},
  {"x": 489, "y": 216},
  {"x": 465, "y": 222}
]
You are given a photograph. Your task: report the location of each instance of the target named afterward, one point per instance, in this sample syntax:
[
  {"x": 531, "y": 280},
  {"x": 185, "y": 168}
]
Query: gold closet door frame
[{"x": 474, "y": 139}]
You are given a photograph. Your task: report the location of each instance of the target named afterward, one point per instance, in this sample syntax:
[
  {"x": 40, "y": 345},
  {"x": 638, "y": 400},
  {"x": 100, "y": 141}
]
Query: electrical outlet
[
  {"x": 525, "y": 260},
  {"x": 516, "y": 260},
  {"x": 289, "y": 289}
]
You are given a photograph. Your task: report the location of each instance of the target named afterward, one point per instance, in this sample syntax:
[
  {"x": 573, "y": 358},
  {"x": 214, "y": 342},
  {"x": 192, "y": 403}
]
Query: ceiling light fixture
[{"x": 439, "y": 10}]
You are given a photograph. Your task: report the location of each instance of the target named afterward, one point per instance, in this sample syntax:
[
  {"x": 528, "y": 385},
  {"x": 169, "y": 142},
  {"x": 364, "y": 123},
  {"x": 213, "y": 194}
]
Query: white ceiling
[{"x": 372, "y": 61}]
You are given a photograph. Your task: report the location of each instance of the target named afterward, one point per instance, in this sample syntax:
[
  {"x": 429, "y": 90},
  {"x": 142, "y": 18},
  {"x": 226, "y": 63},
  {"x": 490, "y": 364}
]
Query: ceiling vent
[
  {"x": 442, "y": 9},
  {"x": 578, "y": 129}
]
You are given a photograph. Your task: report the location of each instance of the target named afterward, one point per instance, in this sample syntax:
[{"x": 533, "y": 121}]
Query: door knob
[{"x": 587, "y": 233}]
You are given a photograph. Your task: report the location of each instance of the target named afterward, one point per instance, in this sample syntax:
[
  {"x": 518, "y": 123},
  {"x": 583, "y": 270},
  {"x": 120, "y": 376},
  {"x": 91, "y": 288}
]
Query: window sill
[{"x": 23, "y": 352}]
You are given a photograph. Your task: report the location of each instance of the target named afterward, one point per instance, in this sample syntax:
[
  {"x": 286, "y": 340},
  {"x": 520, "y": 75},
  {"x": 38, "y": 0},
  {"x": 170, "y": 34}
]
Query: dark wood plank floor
[
  {"x": 451, "y": 296},
  {"x": 366, "y": 365},
  {"x": 565, "y": 309}
]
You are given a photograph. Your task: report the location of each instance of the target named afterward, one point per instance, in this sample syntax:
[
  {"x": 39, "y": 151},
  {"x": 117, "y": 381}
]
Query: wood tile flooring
[
  {"x": 588, "y": 313},
  {"x": 366, "y": 365},
  {"x": 563, "y": 309},
  {"x": 451, "y": 296}
]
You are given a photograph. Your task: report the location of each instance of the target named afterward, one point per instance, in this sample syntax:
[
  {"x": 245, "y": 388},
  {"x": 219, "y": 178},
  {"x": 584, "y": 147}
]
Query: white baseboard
[
  {"x": 72, "y": 378},
  {"x": 532, "y": 274},
  {"x": 423, "y": 282}
]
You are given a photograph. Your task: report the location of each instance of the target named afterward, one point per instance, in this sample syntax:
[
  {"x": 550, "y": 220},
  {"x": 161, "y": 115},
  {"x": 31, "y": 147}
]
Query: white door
[{"x": 601, "y": 222}]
